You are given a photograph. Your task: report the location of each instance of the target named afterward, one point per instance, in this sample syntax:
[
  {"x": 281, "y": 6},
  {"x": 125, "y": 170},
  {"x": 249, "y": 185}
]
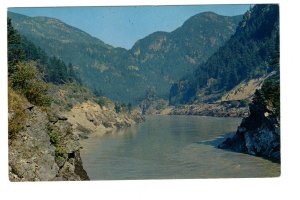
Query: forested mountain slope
[
  {"x": 154, "y": 62},
  {"x": 245, "y": 56}
]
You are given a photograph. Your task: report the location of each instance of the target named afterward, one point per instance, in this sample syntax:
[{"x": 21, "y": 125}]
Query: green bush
[
  {"x": 54, "y": 137},
  {"x": 61, "y": 152},
  {"x": 28, "y": 81},
  {"x": 101, "y": 101}
]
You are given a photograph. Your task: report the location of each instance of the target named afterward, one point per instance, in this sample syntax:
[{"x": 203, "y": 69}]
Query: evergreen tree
[{"x": 15, "y": 51}]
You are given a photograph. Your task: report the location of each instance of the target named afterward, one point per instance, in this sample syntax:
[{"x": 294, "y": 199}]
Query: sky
[{"x": 123, "y": 26}]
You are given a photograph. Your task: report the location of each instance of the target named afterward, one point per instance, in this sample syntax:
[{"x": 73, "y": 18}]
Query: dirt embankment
[{"x": 89, "y": 117}]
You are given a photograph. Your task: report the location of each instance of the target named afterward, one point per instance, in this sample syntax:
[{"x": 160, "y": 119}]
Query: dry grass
[
  {"x": 244, "y": 90},
  {"x": 16, "y": 112}
]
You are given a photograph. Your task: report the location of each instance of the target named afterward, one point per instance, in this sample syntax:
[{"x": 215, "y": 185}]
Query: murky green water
[{"x": 171, "y": 147}]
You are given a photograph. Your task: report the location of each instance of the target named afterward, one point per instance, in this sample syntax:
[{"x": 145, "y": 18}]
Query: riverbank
[
  {"x": 259, "y": 133},
  {"x": 228, "y": 109},
  {"x": 45, "y": 149},
  {"x": 222, "y": 109},
  {"x": 44, "y": 142},
  {"x": 91, "y": 118}
]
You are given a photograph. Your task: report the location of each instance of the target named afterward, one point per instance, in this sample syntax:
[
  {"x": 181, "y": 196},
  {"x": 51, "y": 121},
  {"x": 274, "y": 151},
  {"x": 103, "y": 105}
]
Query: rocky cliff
[
  {"x": 44, "y": 143},
  {"x": 44, "y": 150},
  {"x": 259, "y": 133}
]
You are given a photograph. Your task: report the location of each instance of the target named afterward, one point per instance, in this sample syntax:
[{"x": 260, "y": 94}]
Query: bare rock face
[
  {"x": 48, "y": 148},
  {"x": 258, "y": 134},
  {"x": 31, "y": 155}
]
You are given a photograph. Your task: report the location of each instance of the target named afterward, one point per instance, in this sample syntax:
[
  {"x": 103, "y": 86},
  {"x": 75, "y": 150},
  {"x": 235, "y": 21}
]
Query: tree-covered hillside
[
  {"x": 246, "y": 55},
  {"x": 51, "y": 69},
  {"x": 156, "y": 61}
]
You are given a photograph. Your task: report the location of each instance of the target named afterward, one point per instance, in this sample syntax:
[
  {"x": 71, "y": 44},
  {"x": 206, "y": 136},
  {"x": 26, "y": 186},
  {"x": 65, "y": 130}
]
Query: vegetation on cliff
[{"x": 39, "y": 148}]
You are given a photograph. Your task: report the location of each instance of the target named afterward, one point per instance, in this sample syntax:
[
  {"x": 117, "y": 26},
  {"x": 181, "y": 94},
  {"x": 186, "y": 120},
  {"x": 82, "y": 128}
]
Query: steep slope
[
  {"x": 259, "y": 133},
  {"x": 166, "y": 57},
  {"x": 99, "y": 64},
  {"x": 156, "y": 61},
  {"x": 191, "y": 44},
  {"x": 245, "y": 56}
]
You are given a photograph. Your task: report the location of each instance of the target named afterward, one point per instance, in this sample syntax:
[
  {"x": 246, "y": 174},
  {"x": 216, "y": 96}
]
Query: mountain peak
[
  {"x": 162, "y": 57},
  {"x": 208, "y": 15},
  {"x": 245, "y": 55}
]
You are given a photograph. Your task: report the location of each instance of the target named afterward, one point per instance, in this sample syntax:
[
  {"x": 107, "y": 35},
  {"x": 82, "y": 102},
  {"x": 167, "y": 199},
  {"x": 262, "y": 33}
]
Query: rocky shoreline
[
  {"x": 90, "y": 118},
  {"x": 212, "y": 109},
  {"x": 229, "y": 108},
  {"x": 258, "y": 135},
  {"x": 48, "y": 147},
  {"x": 33, "y": 156}
]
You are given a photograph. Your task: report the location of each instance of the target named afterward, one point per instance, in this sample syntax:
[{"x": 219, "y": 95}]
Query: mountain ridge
[
  {"x": 126, "y": 75},
  {"x": 245, "y": 55}
]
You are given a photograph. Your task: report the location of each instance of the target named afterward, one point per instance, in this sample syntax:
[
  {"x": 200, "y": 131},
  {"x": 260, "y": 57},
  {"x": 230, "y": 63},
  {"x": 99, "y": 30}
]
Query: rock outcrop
[
  {"x": 89, "y": 117},
  {"x": 258, "y": 134},
  {"x": 35, "y": 156},
  {"x": 47, "y": 148}
]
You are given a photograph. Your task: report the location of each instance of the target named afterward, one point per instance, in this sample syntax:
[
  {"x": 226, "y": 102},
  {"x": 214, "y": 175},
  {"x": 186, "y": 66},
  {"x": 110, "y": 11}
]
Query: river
[{"x": 171, "y": 147}]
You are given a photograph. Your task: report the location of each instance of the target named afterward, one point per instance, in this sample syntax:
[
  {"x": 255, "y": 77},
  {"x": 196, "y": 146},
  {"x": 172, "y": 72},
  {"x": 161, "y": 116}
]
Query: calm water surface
[{"x": 166, "y": 147}]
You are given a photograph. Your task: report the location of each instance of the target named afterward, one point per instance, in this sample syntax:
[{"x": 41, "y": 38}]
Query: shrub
[
  {"x": 54, "y": 137},
  {"x": 61, "y": 152},
  {"x": 16, "y": 111},
  {"x": 118, "y": 107},
  {"x": 28, "y": 81},
  {"x": 101, "y": 101}
]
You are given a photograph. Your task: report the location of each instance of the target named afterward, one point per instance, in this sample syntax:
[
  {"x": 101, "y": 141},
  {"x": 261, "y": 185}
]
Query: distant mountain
[
  {"x": 101, "y": 66},
  {"x": 167, "y": 57},
  {"x": 154, "y": 63},
  {"x": 246, "y": 55}
]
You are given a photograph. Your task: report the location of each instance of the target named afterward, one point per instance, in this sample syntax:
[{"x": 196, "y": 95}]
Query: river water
[{"x": 169, "y": 147}]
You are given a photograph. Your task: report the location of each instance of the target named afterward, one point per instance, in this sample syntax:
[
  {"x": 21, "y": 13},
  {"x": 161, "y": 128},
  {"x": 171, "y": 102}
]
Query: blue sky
[{"x": 123, "y": 26}]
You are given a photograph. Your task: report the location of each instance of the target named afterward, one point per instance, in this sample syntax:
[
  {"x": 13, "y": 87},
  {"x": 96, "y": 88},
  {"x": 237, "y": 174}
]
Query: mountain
[
  {"x": 246, "y": 55},
  {"x": 154, "y": 63},
  {"x": 99, "y": 64},
  {"x": 169, "y": 56}
]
